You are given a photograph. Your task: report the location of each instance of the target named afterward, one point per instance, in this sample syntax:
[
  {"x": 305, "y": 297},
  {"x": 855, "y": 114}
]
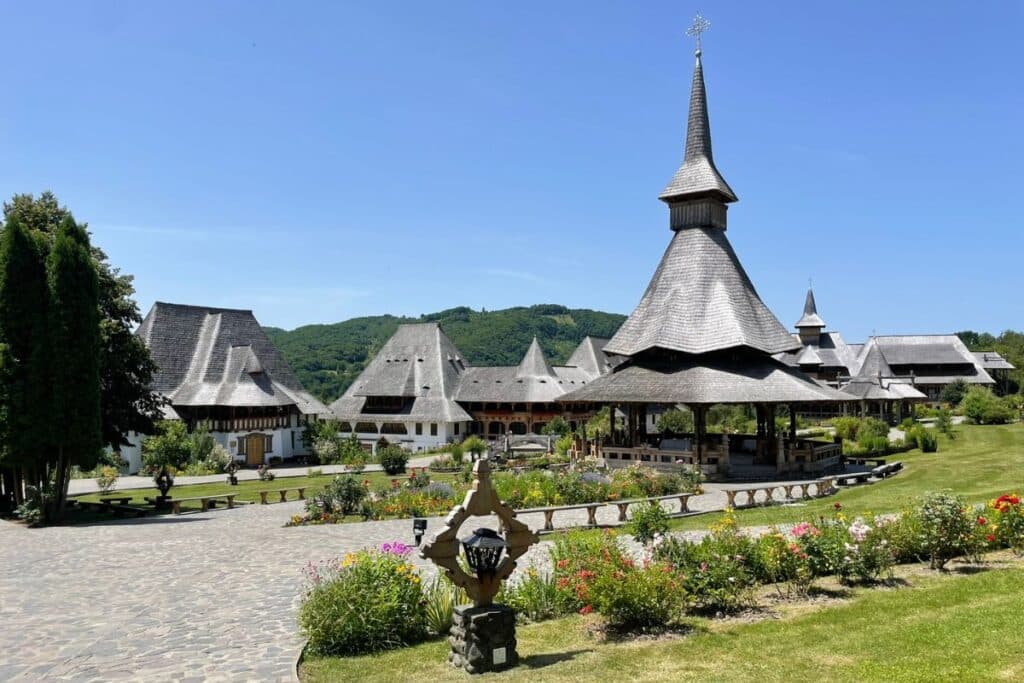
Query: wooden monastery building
[
  {"x": 218, "y": 370},
  {"x": 420, "y": 392}
]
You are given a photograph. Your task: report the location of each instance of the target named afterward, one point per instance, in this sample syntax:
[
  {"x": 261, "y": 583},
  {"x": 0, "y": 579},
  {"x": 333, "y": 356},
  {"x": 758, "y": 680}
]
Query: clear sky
[{"x": 318, "y": 161}]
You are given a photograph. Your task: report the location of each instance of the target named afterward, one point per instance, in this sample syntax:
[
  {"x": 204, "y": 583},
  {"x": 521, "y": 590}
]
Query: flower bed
[
  {"x": 418, "y": 496},
  {"x": 593, "y": 573}
]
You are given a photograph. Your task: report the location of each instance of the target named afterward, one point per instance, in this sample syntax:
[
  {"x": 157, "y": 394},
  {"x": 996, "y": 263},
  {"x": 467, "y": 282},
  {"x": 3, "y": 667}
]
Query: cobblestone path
[{"x": 208, "y": 596}]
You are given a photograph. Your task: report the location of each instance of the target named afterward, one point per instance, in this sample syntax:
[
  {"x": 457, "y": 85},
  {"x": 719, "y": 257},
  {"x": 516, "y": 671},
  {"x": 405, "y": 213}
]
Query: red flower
[
  {"x": 982, "y": 521},
  {"x": 586, "y": 609},
  {"x": 838, "y": 506},
  {"x": 991, "y": 538}
]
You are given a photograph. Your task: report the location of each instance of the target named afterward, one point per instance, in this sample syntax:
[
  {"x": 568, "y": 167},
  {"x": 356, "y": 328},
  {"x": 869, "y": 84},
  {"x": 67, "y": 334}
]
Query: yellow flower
[{"x": 348, "y": 560}]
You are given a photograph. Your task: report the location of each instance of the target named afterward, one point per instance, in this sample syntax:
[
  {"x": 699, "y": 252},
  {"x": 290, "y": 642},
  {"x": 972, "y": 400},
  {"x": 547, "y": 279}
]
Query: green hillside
[{"x": 327, "y": 358}]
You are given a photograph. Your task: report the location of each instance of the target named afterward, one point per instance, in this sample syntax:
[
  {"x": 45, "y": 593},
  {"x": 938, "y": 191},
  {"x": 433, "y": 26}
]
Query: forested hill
[
  {"x": 1009, "y": 345},
  {"x": 327, "y": 358}
]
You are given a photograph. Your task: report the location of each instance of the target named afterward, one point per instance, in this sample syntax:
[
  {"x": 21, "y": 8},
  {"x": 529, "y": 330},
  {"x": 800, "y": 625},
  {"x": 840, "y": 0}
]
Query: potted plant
[{"x": 232, "y": 472}]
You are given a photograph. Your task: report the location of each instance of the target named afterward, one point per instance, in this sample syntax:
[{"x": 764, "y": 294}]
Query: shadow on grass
[
  {"x": 968, "y": 569},
  {"x": 541, "y": 661}
]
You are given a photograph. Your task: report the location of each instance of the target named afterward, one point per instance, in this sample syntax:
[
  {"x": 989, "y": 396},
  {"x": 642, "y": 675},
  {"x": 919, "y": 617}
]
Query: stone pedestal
[{"x": 483, "y": 638}]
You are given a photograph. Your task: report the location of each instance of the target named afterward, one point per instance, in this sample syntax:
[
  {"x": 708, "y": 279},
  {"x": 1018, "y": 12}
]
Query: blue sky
[{"x": 318, "y": 161}]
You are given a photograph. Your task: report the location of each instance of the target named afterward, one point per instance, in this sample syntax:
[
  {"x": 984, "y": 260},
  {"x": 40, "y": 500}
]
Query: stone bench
[
  {"x": 822, "y": 487},
  {"x": 623, "y": 505},
  {"x": 115, "y": 500},
  {"x": 549, "y": 513},
  {"x": 857, "y": 477},
  {"x": 118, "y": 510},
  {"x": 283, "y": 493},
  {"x": 206, "y": 502}
]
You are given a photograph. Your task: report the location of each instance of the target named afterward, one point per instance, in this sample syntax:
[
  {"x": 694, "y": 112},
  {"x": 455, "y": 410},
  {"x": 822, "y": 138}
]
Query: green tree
[
  {"x": 24, "y": 375},
  {"x": 954, "y": 392},
  {"x": 74, "y": 340},
  {"x": 598, "y": 426},
  {"x": 557, "y": 427},
  {"x": 474, "y": 445},
  {"x": 981, "y": 406},
  {"x": 675, "y": 421},
  {"x": 126, "y": 370}
]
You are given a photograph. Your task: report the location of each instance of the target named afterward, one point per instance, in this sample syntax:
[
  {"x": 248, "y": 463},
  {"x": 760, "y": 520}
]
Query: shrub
[
  {"x": 107, "y": 479},
  {"x": 534, "y": 596},
  {"x": 563, "y": 444},
  {"x": 648, "y": 521},
  {"x": 981, "y": 406},
  {"x": 846, "y": 428},
  {"x": 440, "y": 598},
  {"x": 557, "y": 427},
  {"x": 869, "y": 443},
  {"x": 444, "y": 462},
  {"x": 456, "y": 453},
  {"x": 781, "y": 560},
  {"x": 265, "y": 474},
  {"x": 170, "y": 447},
  {"x": 954, "y": 392},
  {"x": 716, "y": 571},
  {"x": 639, "y": 598},
  {"x": 217, "y": 460},
  {"x": 1005, "y": 523},
  {"x": 946, "y": 528},
  {"x": 474, "y": 445},
  {"x": 923, "y": 438},
  {"x": 393, "y": 459},
  {"x": 342, "y": 496},
  {"x": 417, "y": 480},
  {"x": 370, "y": 601}
]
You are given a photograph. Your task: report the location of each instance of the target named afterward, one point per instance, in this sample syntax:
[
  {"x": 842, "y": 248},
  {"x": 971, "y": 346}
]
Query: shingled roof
[
  {"x": 739, "y": 376},
  {"x": 699, "y": 300},
  {"x": 219, "y": 357},
  {"x": 590, "y": 357},
  {"x": 419, "y": 363}
]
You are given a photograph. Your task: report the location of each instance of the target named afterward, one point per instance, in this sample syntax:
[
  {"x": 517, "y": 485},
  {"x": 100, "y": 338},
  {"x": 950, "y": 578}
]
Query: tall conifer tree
[
  {"x": 24, "y": 375},
  {"x": 74, "y": 336}
]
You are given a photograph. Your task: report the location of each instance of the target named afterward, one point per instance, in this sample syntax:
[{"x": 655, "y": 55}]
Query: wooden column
[
  {"x": 792, "y": 423},
  {"x": 699, "y": 416},
  {"x": 769, "y": 418}
]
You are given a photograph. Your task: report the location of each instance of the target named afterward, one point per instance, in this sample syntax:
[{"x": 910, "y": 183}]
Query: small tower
[{"x": 810, "y": 326}]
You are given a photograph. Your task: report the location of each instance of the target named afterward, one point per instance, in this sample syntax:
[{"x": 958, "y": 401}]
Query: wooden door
[{"x": 254, "y": 449}]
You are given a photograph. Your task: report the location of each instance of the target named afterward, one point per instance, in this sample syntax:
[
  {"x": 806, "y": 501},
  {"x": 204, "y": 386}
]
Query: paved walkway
[
  {"x": 88, "y": 485},
  {"x": 209, "y": 596}
]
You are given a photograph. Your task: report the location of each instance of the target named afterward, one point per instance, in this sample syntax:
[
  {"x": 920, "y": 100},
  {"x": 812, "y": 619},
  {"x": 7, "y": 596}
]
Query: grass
[
  {"x": 983, "y": 462},
  {"x": 249, "y": 490},
  {"x": 962, "y": 627}
]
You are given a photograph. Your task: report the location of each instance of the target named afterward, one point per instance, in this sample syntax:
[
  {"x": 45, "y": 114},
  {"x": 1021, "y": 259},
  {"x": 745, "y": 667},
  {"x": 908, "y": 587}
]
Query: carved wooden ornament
[{"x": 443, "y": 549}]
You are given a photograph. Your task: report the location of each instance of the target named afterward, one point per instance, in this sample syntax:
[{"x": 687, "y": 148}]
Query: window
[
  {"x": 293, "y": 441},
  {"x": 456, "y": 429},
  {"x": 242, "y": 445},
  {"x": 419, "y": 429},
  {"x": 433, "y": 429},
  {"x": 268, "y": 443}
]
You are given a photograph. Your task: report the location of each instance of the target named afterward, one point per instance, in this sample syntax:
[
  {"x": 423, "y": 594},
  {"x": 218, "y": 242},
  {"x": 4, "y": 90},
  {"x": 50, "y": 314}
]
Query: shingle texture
[
  {"x": 699, "y": 300},
  {"x": 810, "y": 317},
  {"x": 697, "y": 175},
  {"x": 740, "y": 377},
  {"x": 991, "y": 360},
  {"x": 219, "y": 357}
]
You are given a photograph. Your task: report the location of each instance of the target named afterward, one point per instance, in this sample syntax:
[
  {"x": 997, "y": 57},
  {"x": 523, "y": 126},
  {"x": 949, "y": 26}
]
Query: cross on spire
[{"x": 699, "y": 25}]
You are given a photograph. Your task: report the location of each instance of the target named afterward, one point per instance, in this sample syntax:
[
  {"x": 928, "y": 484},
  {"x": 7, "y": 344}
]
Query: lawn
[
  {"x": 249, "y": 490},
  {"x": 959, "y": 626},
  {"x": 983, "y": 462}
]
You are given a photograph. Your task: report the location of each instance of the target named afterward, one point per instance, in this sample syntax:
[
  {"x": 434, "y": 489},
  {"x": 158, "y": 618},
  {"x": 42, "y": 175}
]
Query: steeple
[
  {"x": 697, "y": 194},
  {"x": 810, "y": 324}
]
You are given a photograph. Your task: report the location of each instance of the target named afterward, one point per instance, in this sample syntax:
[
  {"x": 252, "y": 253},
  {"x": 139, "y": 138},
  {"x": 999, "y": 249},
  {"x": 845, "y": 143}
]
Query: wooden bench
[
  {"x": 283, "y": 493},
  {"x": 549, "y": 513},
  {"x": 206, "y": 502},
  {"x": 623, "y": 505},
  {"x": 858, "y": 460},
  {"x": 115, "y": 500}
]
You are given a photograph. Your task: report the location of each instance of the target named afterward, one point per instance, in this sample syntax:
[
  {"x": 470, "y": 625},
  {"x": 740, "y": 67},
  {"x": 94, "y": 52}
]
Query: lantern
[{"x": 483, "y": 551}]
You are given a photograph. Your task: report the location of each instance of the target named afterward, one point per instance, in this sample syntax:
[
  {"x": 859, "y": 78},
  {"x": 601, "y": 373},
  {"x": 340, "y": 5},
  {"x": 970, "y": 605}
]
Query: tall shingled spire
[
  {"x": 697, "y": 193},
  {"x": 810, "y": 317}
]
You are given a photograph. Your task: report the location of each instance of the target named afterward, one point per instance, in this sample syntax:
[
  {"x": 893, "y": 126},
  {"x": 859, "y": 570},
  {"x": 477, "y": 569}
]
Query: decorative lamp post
[
  {"x": 483, "y": 635},
  {"x": 419, "y": 527}
]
